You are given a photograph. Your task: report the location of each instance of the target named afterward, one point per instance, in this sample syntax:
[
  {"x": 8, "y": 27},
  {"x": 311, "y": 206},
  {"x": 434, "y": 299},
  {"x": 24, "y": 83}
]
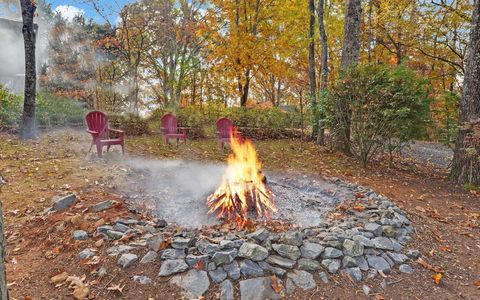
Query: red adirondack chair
[
  {"x": 224, "y": 128},
  {"x": 170, "y": 129},
  {"x": 97, "y": 123}
]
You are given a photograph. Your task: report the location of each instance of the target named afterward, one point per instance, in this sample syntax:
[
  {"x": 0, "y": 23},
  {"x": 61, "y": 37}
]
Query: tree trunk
[
  {"x": 245, "y": 88},
  {"x": 311, "y": 68},
  {"x": 350, "y": 51},
  {"x": 29, "y": 36},
  {"x": 323, "y": 67},
  {"x": 3, "y": 256},
  {"x": 466, "y": 159}
]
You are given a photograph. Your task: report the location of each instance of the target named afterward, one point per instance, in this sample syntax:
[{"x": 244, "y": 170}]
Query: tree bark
[
  {"x": 350, "y": 52},
  {"x": 323, "y": 66},
  {"x": 466, "y": 159},
  {"x": 311, "y": 68},
  {"x": 29, "y": 36}
]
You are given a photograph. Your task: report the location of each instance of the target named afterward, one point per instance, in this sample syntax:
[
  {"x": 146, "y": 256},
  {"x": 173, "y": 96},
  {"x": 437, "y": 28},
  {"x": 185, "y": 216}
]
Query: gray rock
[
  {"x": 354, "y": 273},
  {"x": 218, "y": 275},
  {"x": 293, "y": 237},
  {"x": 127, "y": 259},
  {"x": 104, "y": 205},
  {"x": 127, "y": 222},
  {"x": 378, "y": 263},
  {"x": 211, "y": 266},
  {"x": 372, "y": 273},
  {"x": 362, "y": 263},
  {"x": 114, "y": 235},
  {"x": 119, "y": 249},
  {"x": 62, "y": 203},
  {"x": 334, "y": 244},
  {"x": 287, "y": 251},
  {"x": 388, "y": 230},
  {"x": 384, "y": 284},
  {"x": 289, "y": 286},
  {"x": 388, "y": 259},
  {"x": 332, "y": 265},
  {"x": 173, "y": 266},
  {"x": 182, "y": 243},
  {"x": 80, "y": 235},
  {"x": 86, "y": 253},
  {"x": 302, "y": 279},
  {"x": 226, "y": 244},
  {"x": 349, "y": 262},
  {"x": 323, "y": 276},
  {"x": 374, "y": 228},
  {"x": 149, "y": 257},
  {"x": 160, "y": 223},
  {"x": 382, "y": 243},
  {"x": 366, "y": 289},
  {"x": 405, "y": 269},
  {"x": 224, "y": 257},
  {"x": 205, "y": 247},
  {"x": 226, "y": 290},
  {"x": 253, "y": 252},
  {"x": 280, "y": 261},
  {"x": 397, "y": 247},
  {"x": 413, "y": 254},
  {"x": 352, "y": 248},
  {"x": 194, "y": 283},
  {"x": 121, "y": 227},
  {"x": 155, "y": 241},
  {"x": 233, "y": 270},
  {"x": 173, "y": 254},
  {"x": 192, "y": 260},
  {"x": 142, "y": 279},
  {"x": 271, "y": 269},
  {"x": 308, "y": 264},
  {"x": 331, "y": 253},
  {"x": 259, "y": 235},
  {"x": 398, "y": 258},
  {"x": 104, "y": 229},
  {"x": 250, "y": 269},
  {"x": 311, "y": 250},
  {"x": 366, "y": 242},
  {"x": 257, "y": 289}
]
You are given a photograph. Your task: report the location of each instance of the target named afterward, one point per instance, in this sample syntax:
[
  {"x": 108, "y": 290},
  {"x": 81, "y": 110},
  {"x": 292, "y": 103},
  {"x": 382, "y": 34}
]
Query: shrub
[
  {"x": 259, "y": 123},
  {"x": 50, "y": 110},
  {"x": 130, "y": 123},
  {"x": 386, "y": 108}
]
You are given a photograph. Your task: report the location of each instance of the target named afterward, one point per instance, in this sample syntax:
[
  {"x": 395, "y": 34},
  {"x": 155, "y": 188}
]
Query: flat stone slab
[
  {"x": 172, "y": 266},
  {"x": 253, "y": 252},
  {"x": 257, "y": 289},
  {"x": 127, "y": 259},
  {"x": 378, "y": 263},
  {"x": 62, "y": 203},
  {"x": 280, "y": 261},
  {"x": 302, "y": 279},
  {"x": 194, "y": 283},
  {"x": 101, "y": 206},
  {"x": 311, "y": 250}
]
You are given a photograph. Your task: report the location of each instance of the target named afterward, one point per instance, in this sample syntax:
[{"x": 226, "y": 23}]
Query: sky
[{"x": 70, "y": 8}]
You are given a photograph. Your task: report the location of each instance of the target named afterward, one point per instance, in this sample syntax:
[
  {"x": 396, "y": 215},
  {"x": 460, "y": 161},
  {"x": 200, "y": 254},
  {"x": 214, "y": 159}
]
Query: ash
[{"x": 177, "y": 190}]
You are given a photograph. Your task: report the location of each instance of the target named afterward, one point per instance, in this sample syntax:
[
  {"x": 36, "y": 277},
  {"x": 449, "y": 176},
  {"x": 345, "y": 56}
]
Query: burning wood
[{"x": 243, "y": 186}]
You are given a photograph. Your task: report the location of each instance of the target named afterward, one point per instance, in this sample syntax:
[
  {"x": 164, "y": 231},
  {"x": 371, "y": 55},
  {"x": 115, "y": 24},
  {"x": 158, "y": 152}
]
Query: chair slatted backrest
[
  {"x": 224, "y": 127},
  {"x": 170, "y": 124},
  {"x": 98, "y": 121}
]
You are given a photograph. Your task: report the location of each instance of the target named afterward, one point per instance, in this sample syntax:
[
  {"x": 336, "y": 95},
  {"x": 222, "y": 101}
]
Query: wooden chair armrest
[
  {"x": 117, "y": 130},
  {"x": 92, "y": 132}
]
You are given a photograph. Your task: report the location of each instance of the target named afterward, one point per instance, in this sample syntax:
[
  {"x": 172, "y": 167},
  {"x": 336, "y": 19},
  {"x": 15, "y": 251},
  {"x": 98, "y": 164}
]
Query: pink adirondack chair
[
  {"x": 224, "y": 128},
  {"x": 170, "y": 129},
  {"x": 97, "y": 123}
]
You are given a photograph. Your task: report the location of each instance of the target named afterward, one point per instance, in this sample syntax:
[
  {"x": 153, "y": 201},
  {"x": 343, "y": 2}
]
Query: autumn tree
[
  {"x": 350, "y": 54},
  {"x": 466, "y": 160}
]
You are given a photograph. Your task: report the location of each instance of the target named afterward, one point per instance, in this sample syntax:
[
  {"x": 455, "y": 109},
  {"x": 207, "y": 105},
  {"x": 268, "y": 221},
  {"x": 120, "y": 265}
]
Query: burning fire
[{"x": 243, "y": 186}]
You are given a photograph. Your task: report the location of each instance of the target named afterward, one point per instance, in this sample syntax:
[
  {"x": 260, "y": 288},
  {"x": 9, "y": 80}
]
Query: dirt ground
[{"x": 445, "y": 216}]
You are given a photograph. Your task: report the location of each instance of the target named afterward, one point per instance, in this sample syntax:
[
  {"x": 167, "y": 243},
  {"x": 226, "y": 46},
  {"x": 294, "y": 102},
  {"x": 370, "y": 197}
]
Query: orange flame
[{"x": 242, "y": 185}]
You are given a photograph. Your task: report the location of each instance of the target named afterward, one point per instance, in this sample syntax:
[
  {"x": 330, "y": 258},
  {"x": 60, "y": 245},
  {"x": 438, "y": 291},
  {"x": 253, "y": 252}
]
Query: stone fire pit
[{"x": 329, "y": 227}]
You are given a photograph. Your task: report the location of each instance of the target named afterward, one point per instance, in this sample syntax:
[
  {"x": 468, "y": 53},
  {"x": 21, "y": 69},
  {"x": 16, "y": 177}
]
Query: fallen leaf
[
  {"x": 99, "y": 243},
  {"x": 276, "y": 285},
  {"x": 359, "y": 208},
  {"x": 420, "y": 209},
  {"x": 81, "y": 292},
  {"x": 116, "y": 288},
  {"x": 477, "y": 283},
  {"x": 437, "y": 278},
  {"x": 446, "y": 248},
  {"x": 59, "y": 278},
  {"x": 200, "y": 265}
]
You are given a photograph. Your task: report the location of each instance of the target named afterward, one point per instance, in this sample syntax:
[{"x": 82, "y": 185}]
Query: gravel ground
[{"x": 429, "y": 153}]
